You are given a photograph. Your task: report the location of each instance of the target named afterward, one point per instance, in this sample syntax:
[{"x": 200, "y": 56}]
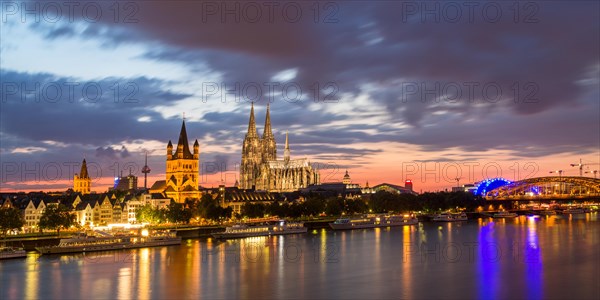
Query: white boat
[
  {"x": 450, "y": 217},
  {"x": 85, "y": 243},
  {"x": 243, "y": 230},
  {"x": 373, "y": 222},
  {"x": 572, "y": 211},
  {"x": 504, "y": 214},
  {"x": 11, "y": 252}
]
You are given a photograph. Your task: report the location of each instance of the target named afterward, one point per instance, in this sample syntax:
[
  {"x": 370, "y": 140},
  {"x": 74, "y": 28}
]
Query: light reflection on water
[{"x": 526, "y": 257}]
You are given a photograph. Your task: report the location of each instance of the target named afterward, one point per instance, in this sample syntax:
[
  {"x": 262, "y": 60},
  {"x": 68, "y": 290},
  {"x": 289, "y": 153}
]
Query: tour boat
[
  {"x": 450, "y": 217},
  {"x": 572, "y": 211},
  {"x": 547, "y": 212},
  {"x": 10, "y": 252},
  {"x": 243, "y": 230},
  {"x": 373, "y": 222},
  {"x": 107, "y": 243},
  {"x": 504, "y": 214}
]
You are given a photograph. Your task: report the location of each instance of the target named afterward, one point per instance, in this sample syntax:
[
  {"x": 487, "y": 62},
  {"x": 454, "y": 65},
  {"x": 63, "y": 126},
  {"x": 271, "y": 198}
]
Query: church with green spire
[{"x": 261, "y": 170}]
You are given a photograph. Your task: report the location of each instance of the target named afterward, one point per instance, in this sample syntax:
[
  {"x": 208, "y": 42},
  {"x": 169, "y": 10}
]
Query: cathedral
[{"x": 260, "y": 168}]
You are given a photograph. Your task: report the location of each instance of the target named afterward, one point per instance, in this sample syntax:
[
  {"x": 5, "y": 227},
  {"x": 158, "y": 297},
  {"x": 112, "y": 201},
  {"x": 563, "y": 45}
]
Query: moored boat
[
  {"x": 547, "y": 212},
  {"x": 504, "y": 214},
  {"x": 84, "y": 243},
  {"x": 243, "y": 230},
  {"x": 572, "y": 211},
  {"x": 11, "y": 252},
  {"x": 373, "y": 222},
  {"x": 450, "y": 217}
]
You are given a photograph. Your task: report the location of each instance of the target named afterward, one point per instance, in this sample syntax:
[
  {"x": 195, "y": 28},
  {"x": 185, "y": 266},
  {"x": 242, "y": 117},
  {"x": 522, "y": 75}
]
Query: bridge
[{"x": 540, "y": 188}]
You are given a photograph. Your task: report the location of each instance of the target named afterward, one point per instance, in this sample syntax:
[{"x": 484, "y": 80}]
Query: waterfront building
[
  {"x": 82, "y": 183},
  {"x": 261, "y": 170}
]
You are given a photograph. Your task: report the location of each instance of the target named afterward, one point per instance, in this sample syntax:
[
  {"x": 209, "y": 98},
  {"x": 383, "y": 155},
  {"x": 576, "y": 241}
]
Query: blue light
[{"x": 490, "y": 184}]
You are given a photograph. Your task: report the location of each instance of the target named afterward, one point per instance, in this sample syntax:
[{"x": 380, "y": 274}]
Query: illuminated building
[
  {"x": 260, "y": 168},
  {"x": 82, "y": 183}
]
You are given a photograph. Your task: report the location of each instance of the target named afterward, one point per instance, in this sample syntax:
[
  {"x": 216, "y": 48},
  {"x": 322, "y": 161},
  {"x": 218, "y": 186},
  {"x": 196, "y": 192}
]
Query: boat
[
  {"x": 450, "y": 217},
  {"x": 547, "y": 212},
  {"x": 572, "y": 211},
  {"x": 373, "y": 222},
  {"x": 155, "y": 240},
  {"x": 85, "y": 243},
  {"x": 12, "y": 252},
  {"x": 244, "y": 230},
  {"x": 505, "y": 214}
]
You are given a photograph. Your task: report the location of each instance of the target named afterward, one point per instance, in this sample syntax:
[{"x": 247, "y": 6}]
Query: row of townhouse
[{"x": 89, "y": 210}]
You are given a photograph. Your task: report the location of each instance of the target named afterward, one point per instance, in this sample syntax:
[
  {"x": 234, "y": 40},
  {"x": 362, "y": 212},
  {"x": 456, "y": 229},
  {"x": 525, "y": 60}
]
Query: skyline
[{"x": 410, "y": 91}]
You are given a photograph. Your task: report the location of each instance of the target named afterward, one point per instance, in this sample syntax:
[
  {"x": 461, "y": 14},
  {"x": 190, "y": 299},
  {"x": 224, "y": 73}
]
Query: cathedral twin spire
[{"x": 252, "y": 131}]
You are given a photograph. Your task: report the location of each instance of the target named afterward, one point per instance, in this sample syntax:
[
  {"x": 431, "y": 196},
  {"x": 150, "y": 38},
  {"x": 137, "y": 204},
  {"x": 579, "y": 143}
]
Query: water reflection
[
  {"x": 520, "y": 258},
  {"x": 533, "y": 261}
]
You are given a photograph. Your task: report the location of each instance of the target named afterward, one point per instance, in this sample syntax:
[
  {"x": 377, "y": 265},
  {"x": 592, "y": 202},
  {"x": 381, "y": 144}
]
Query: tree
[
  {"x": 56, "y": 217},
  {"x": 355, "y": 206},
  {"x": 334, "y": 206},
  {"x": 10, "y": 218},
  {"x": 177, "y": 213},
  {"x": 150, "y": 214}
]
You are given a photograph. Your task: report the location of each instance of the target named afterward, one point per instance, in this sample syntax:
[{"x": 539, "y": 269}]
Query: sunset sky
[{"x": 389, "y": 91}]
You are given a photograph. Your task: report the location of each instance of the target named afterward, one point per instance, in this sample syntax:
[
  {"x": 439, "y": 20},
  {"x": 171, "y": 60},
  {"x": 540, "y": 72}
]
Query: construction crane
[{"x": 580, "y": 165}]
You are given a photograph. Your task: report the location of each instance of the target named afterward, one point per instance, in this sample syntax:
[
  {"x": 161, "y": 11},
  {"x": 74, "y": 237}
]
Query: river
[{"x": 552, "y": 257}]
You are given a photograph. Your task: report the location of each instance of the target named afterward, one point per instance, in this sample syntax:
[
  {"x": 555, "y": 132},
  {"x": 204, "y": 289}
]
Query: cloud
[{"x": 111, "y": 152}]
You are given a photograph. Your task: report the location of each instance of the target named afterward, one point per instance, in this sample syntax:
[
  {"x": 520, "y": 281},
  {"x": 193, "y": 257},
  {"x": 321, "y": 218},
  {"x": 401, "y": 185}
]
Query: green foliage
[
  {"x": 313, "y": 206},
  {"x": 150, "y": 214},
  {"x": 10, "y": 218},
  {"x": 209, "y": 208},
  {"x": 177, "y": 213},
  {"x": 253, "y": 210},
  {"x": 56, "y": 217},
  {"x": 429, "y": 202},
  {"x": 355, "y": 206},
  {"x": 334, "y": 206}
]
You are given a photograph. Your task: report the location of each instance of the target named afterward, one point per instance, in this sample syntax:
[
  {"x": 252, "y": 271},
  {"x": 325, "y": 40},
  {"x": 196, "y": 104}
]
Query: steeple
[
  {"x": 252, "y": 132},
  {"x": 286, "y": 151},
  {"x": 267, "y": 131},
  {"x": 183, "y": 148},
  {"x": 84, "y": 171}
]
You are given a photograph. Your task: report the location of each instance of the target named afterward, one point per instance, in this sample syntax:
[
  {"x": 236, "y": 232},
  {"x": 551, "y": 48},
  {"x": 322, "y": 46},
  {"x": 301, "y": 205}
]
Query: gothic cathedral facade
[{"x": 261, "y": 170}]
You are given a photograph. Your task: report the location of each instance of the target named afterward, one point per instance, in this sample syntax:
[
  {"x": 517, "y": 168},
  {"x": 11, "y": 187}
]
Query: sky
[{"x": 441, "y": 93}]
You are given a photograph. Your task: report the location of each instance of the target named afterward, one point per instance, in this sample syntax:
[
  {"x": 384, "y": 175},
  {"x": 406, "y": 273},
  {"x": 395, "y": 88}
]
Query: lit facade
[{"x": 261, "y": 170}]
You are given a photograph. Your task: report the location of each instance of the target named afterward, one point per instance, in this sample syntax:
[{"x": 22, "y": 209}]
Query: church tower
[
  {"x": 269, "y": 147},
  {"x": 251, "y": 155},
  {"x": 182, "y": 168},
  {"x": 286, "y": 151},
  {"x": 82, "y": 183}
]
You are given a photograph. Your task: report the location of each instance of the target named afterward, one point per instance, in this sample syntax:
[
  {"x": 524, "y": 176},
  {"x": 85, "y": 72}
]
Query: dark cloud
[
  {"x": 550, "y": 60},
  {"x": 111, "y": 152}
]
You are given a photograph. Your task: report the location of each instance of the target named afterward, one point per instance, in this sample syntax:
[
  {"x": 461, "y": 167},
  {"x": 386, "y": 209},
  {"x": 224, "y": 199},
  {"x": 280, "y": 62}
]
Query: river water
[{"x": 551, "y": 257}]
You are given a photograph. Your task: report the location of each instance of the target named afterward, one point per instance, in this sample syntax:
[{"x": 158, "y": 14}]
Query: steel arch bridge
[{"x": 548, "y": 187}]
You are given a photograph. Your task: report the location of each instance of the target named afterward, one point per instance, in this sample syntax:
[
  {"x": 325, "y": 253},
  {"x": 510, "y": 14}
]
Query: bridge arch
[{"x": 550, "y": 186}]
